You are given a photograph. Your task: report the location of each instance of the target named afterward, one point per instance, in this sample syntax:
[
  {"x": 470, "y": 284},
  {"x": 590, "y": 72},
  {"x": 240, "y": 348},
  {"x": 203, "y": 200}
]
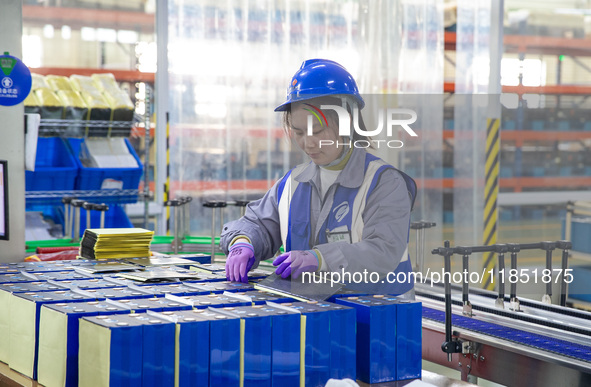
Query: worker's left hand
[{"x": 296, "y": 262}]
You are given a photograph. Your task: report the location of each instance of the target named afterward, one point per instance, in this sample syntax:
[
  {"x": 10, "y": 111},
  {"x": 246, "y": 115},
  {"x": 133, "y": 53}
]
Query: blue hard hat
[{"x": 318, "y": 78}]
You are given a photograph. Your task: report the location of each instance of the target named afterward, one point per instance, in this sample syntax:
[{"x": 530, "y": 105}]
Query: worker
[{"x": 345, "y": 211}]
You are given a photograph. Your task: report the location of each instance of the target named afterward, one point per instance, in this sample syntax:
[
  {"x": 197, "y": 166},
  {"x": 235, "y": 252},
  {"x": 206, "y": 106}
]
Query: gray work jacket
[{"x": 386, "y": 218}]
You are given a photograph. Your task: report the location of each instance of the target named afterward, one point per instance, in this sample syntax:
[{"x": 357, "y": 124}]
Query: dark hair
[{"x": 330, "y": 100}]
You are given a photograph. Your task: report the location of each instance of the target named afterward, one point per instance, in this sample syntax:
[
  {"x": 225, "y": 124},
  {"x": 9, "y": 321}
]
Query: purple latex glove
[
  {"x": 239, "y": 262},
  {"x": 296, "y": 262}
]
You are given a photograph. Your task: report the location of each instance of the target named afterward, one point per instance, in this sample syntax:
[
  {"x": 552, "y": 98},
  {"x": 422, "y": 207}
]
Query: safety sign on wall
[{"x": 15, "y": 80}]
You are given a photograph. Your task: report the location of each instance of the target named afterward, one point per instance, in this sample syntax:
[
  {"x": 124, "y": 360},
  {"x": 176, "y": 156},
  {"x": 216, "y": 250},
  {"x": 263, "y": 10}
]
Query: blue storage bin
[
  {"x": 55, "y": 167},
  {"x": 537, "y": 125},
  {"x": 509, "y": 125},
  {"x": 93, "y": 178},
  {"x": 115, "y": 217},
  {"x": 580, "y": 231},
  {"x": 506, "y": 172},
  {"x": 448, "y": 217},
  {"x": 505, "y": 215},
  {"x": 537, "y": 214},
  {"x": 563, "y": 125},
  {"x": 539, "y": 171}
]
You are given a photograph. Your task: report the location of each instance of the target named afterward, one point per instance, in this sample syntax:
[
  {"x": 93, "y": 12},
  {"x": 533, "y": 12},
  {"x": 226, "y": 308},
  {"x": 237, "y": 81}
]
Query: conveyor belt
[
  {"x": 522, "y": 301},
  {"x": 516, "y": 316},
  {"x": 529, "y": 303},
  {"x": 561, "y": 347}
]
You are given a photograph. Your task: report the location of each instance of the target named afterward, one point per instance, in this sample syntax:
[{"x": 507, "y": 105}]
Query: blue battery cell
[
  {"x": 386, "y": 328},
  {"x": 192, "y": 346},
  {"x": 89, "y": 283},
  {"x": 224, "y": 360},
  {"x": 33, "y": 287},
  {"x": 315, "y": 344},
  {"x": 122, "y": 293},
  {"x": 223, "y": 286},
  {"x": 342, "y": 341},
  {"x": 67, "y": 275},
  {"x": 6, "y": 269},
  {"x": 255, "y": 345},
  {"x": 6, "y": 290},
  {"x": 119, "y": 362},
  {"x": 212, "y": 300},
  {"x": 156, "y": 304},
  {"x": 120, "y": 281},
  {"x": 18, "y": 277},
  {"x": 57, "y": 352},
  {"x": 24, "y": 313},
  {"x": 220, "y": 269},
  {"x": 209, "y": 268},
  {"x": 206, "y": 277},
  {"x": 409, "y": 340},
  {"x": 158, "y": 349},
  {"x": 285, "y": 344},
  {"x": 43, "y": 269},
  {"x": 376, "y": 339},
  {"x": 173, "y": 289},
  {"x": 260, "y": 298},
  {"x": 44, "y": 265}
]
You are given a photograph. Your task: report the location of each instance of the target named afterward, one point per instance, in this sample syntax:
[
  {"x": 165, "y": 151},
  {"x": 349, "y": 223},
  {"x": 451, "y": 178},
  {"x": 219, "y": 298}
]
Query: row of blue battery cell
[
  {"x": 23, "y": 301},
  {"x": 313, "y": 356},
  {"x": 389, "y": 332},
  {"x": 272, "y": 337},
  {"x": 253, "y": 345}
]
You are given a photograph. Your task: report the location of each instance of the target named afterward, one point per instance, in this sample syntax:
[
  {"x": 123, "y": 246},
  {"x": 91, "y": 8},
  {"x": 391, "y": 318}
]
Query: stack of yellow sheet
[
  {"x": 32, "y": 104},
  {"x": 39, "y": 82},
  {"x": 59, "y": 82},
  {"x": 121, "y": 105},
  {"x": 105, "y": 243},
  {"x": 49, "y": 104},
  {"x": 74, "y": 109},
  {"x": 105, "y": 82},
  {"x": 118, "y": 100}
]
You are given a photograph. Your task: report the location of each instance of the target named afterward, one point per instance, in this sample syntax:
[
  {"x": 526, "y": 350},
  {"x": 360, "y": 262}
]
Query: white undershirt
[{"x": 327, "y": 178}]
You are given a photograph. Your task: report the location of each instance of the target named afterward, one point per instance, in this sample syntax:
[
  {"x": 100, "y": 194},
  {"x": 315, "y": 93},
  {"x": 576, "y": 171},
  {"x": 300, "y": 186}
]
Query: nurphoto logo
[{"x": 390, "y": 116}]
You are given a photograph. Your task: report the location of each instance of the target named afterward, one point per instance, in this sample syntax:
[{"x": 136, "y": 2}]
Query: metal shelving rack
[
  {"x": 59, "y": 127},
  {"x": 105, "y": 195},
  {"x": 527, "y": 45}
]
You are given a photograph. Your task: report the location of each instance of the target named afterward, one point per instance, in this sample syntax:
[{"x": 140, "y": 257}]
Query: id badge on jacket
[{"x": 339, "y": 234}]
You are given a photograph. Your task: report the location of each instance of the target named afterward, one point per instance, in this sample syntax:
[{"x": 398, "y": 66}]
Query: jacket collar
[{"x": 351, "y": 176}]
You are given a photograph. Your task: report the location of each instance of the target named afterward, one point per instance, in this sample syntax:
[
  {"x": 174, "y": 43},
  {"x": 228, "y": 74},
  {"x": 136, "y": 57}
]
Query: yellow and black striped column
[
  {"x": 491, "y": 193},
  {"x": 167, "y": 181}
]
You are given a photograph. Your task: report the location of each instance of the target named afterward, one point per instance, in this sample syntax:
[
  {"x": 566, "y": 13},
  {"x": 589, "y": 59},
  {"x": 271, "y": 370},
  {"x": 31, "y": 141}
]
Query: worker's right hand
[{"x": 239, "y": 262}]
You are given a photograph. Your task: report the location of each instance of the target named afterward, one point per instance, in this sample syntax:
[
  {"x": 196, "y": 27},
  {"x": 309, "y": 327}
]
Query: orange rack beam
[{"x": 120, "y": 75}]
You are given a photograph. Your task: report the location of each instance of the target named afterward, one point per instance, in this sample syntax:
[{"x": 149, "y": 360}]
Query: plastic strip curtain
[
  {"x": 406, "y": 71},
  {"x": 421, "y": 83},
  {"x": 230, "y": 63},
  {"x": 471, "y": 85}
]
